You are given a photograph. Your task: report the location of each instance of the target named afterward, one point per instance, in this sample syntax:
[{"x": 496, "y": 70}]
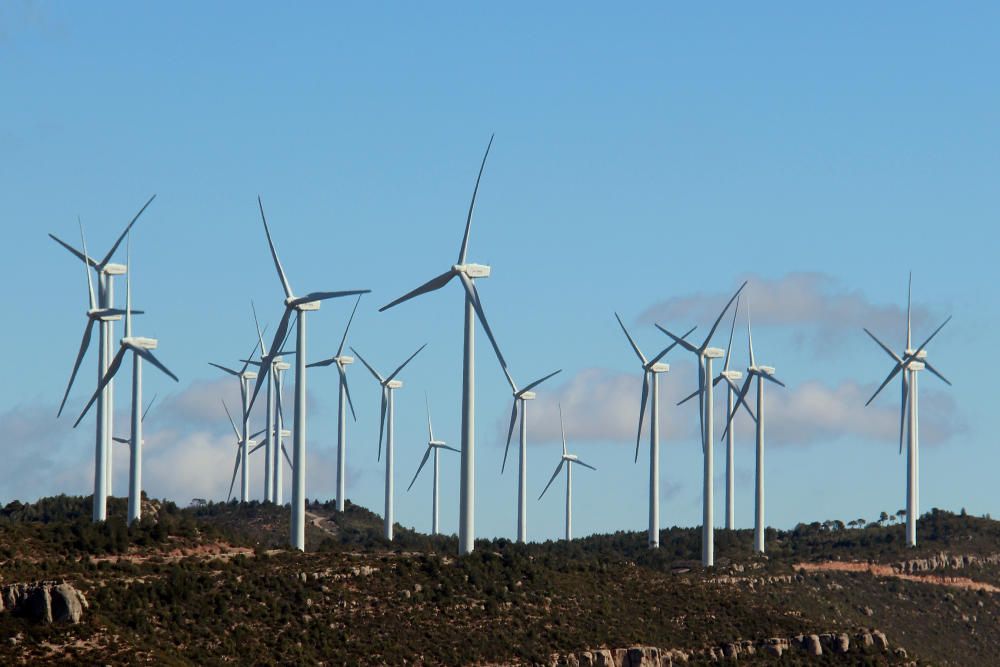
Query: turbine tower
[
  {"x": 141, "y": 348},
  {"x": 733, "y": 401},
  {"x": 343, "y": 361},
  {"x": 521, "y": 398},
  {"x": 300, "y": 306},
  {"x": 705, "y": 356},
  {"x": 651, "y": 370},
  {"x": 279, "y": 367},
  {"x": 467, "y": 273},
  {"x": 910, "y": 363},
  {"x": 432, "y": 446},
  {"x": 389, "y": 385},
  {"x": 567, "y": 459},
  {"x": 244, "y": 376},
  {"x": 761, "y": 373},
  {"x": 101, "y": 310}
]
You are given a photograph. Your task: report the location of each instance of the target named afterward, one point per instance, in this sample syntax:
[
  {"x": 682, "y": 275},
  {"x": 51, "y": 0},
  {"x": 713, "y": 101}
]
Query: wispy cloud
[{"x": 818, "y": 306}]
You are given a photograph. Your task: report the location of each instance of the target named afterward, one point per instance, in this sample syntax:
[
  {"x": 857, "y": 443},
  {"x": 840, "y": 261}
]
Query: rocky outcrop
[
  {"x": 44, "y": 601},
  {"x": 944, "y": 560},
  {"x": 865, "y": 641}
]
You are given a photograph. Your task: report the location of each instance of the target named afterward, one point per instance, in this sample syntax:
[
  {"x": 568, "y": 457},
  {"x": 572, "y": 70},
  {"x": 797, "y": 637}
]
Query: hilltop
[{"x": 214, "y": 584}]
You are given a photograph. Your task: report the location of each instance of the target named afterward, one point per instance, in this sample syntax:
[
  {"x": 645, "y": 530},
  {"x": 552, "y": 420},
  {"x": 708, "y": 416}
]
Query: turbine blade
[
  {"x": 711, "y": 331},
  {"x": 381, "y": 423},
  {"x": 89, "y": 261},
  {"x": 323, "y": 296},
  {"x": 562, "y": 430},
  {"x": 510, "y": 433},
  {"x": 287, "y": 458},
  {"x": 112, "y": 369},
  {"x": 909, "y": 329},
  {"x": 773, "y": 379},
  {"x": 128, "y": 286},
  {"x": 553, "y": 478},
  {"x": 260, "y": 334},
  {"x": 642, "y": 410},
  {"x": 274, "y": 253},
  {"x": 632, "y": 342},
  {"x": 236, "y": 469},
  {"x": 585, "y": 465},
  {"x": 680, "y": 341},
  {"x": 538, "y": 382},
  {"x": 265, "y": 366},
  {"x": 689, "y": 397},
  {"x": 239, "y": 437},
  {"x": 427, "y": 455},
  {"x": 472, "y": 205},
  {"x": 148, "y": 356},
  {"x": 887, "y": 380},
  {"x": 450, "y": 448},
  {"x": 885, "y": 347},
  {"x": 86, "y": 266},
  {"x": 224, "y": 369},
  {"x": 257, "y": 446},
  {"x": 149, "y": 406},
  {"x": 902, "y": 412},
  {"x": 430, "y": 428},
  {"x": 340, "y": 350},
  {"x": 753, "y": 361},
  {"x": 433, "y": 284},
  {"x": 128, "y": 228},
  {"x": 930, "y": 338},
  {"x": 403, "y": 365},
  {"x": 664, "y": 351},
  {"x": 260, "y": 339},
  {"x": 935, "y": 371},
  {"x": 701, "y": 400},
  {"x": 473, "y": 295},
  {"x": 732, "y": 330},
  {"x": 84, "y": 345},
  {"x": 347, "y": 391},
  {"x": 740, "y": 400},
  {"x": 374, "y": 372},
  {"x": 325, "y": 362}
]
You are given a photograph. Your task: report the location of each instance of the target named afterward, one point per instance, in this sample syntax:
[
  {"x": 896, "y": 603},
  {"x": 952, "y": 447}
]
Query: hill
[{"x": 213, "y": 584}]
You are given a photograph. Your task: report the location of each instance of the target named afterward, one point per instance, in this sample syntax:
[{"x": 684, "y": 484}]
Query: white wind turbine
[
  {"x": 910, "y": 363},
  {"x": 141, "y": 348},
  {"x": 300, "y": 306},
  {"x": 467, "y": 273},
  {"x": 733, "y": 401},
  {"x": 244, "y": 376},
  {"x": 651, "y": 369},
  {"x": 389, "y": 386},
  {"x": 101, "y": 310},
  {"x": 761, "y": 373},
  {"x": 243, "y": 445},
  {"x": 568, "y": 460},
  {"x": 521, "y": 398},
  {"x": 705, "y": 356},
  {"x": 432, "y": 446},
  {"x": 343, "y": 361}
]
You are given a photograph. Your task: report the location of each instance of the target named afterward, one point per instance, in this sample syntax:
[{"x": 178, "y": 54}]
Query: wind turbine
[
  {"x": 101, "y": 310},
  {"x": 141, "y": 348},
  {"x": 467, "y": 273},
  {"x": 521, "y": 397},
  {"x": 761, "y": 373},
  {"x": 389, "y": 385},
  {"x": 432, "y": 446},
  {"x": 243, "y": 444},
  {"x": 343, "y": 361},
  {"x": 910, "y": 363},
  {"x": 245, "y": 376},
  {"x": 567, "y": 459},
  {"x": 300, "y": 306},
  {"x": 733, "y": 400},
  {"x": 279, "y": 367},
  {"x": 651, "y": 370},
  {"x": 705, "y": 356}
]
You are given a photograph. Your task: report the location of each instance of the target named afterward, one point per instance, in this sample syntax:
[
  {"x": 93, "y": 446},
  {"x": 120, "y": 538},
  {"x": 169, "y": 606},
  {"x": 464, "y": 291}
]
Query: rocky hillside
[{"x": 213, "y": 584}]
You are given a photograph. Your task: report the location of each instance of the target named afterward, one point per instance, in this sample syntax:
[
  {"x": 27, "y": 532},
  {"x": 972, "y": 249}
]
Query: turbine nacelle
[
  {"x": 115, "y": 270},
  {"x": 140, "y": 342},
  {"x": 104, "y": 314},
  {"x": 344, "y": 360},
  {"x": 472, "y": 270},
  {"x": 281, "y": 365},
  {"x": 766, "y": 370},
  {"x": 659, "y": 367},
  {"x": 916, "y": 366},
  {"x": 394, "y": 384},
  {"x": 249, "y": 375},
  {"x": 713, "y": 353},
  {"x": 437, "y": 443},
  {"x": 732, "y": 375},
  {"x": 922, "y": 354},
  {"x": 570, "y": 457},
  {"x": 308, "y": 305},
  {"x": 285, "y": 433},
  {"x": 527, "y": 395}
]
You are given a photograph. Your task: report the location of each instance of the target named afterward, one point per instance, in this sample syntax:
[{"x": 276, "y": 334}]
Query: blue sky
[{"x": 646, "y": 161}]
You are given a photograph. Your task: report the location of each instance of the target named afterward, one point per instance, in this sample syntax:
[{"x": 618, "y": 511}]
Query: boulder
[
  {"x": 866, "y": 639},
  {"x": 603, "y": 658},
  {"x": 44, "y": 601},
  {"x": 643, "y": 656},
  {"x": 812, "y": 645},
  {"x": 881, "y": 642},
  {"x": 773, "y": 649},
  {"x": 842, "y": 644},
  {"x": 67, "y": 604}
]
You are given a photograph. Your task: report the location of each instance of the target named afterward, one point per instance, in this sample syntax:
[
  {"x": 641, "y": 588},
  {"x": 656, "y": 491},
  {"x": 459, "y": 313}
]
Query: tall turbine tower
[
  {"x": 432, "y": 446},
  {"x": 101, "y": 310},
  {"x": 244, "y": 376},
  {"x": 910, "y": 363},
  {"x": 343, "y": 361},
  {"x": 141, "y": 348},
  {"x": 389, "y": 385},
  {"x": 761, "y": 373},
  {"x": 521, "y": 398},
  {"x": 467, "y": 273},
  {"x": 567, "y": 459},
  {"x": 733, "y": 401},
  {"x": 651, "y": 371},
  {"x": 300, "y": 306},
  {"x": 705, "y": 356}
]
